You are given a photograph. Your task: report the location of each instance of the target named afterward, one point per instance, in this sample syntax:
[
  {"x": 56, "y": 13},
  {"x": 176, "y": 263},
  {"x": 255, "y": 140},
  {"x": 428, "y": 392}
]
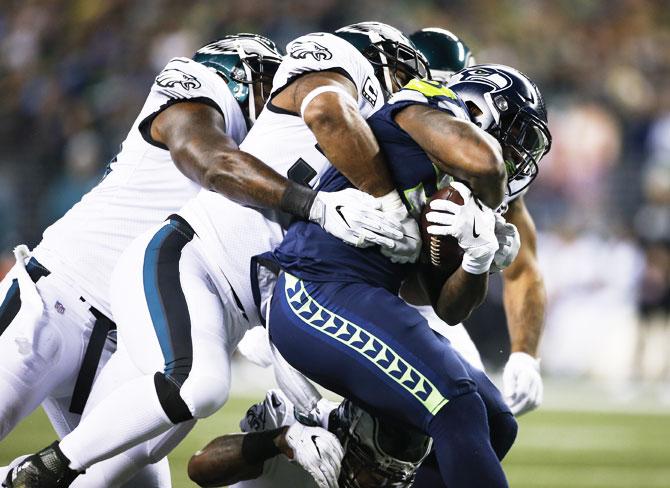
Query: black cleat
[{"x": 49, "y": 468}]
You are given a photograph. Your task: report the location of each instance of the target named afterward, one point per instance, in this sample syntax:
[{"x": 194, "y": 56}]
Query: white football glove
[
  {"x": 317, "y": 451},
  {"x": 355, "y": 217},
  {"x": 522, "y": 383},
  {"x": 323, "y": 409},
  {"x": 472, "y": 223},
  {"x": 509, "y": 243},
  {"x": 407, "y": 247}
]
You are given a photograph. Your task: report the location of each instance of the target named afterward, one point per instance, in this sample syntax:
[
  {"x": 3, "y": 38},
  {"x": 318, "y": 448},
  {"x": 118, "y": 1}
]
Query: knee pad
[
  {"x": 169, "y": 396},
  {"x": 205, "y": 394},
  {"x": 503, "y": 428}
]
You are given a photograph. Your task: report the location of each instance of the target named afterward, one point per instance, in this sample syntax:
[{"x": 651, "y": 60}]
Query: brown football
[{"x": 442, "y": 252}]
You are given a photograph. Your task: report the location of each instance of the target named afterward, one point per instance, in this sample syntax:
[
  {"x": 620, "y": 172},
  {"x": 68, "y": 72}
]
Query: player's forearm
[
  {"x": 460, "y": 295},
  {"x": 243, "y": 178},
  {"x": 460, "y": 149},
  {"x": 524, "y": 295},
  {"x": 348, "y": 143},
  {"x": 225, "y": 462},
  {"x": 201, "y": 149},
  {"x": 524, "y": 299}
]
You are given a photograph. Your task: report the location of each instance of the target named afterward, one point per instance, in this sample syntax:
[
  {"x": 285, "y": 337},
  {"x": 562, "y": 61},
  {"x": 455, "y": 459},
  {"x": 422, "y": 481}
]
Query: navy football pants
[{"x": 368, "y": 345}]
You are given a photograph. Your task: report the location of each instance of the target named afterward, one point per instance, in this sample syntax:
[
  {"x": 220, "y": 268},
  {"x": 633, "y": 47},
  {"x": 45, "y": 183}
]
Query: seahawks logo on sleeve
[
  {"x": 302, "y": 49},
  {"x": 170, "y": 77}
]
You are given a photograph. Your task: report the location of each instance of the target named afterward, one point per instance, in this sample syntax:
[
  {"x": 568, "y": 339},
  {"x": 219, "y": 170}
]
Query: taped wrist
[
  {"x": 297, "y": 200},
  {"x": 258, "y": 447},
  {"x": 390, "y": 201},
  {"x": 476, "y": 265}
]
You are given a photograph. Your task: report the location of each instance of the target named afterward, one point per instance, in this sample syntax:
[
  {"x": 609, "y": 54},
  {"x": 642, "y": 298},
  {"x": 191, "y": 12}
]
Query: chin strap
[{"x": 251, "y": 100}]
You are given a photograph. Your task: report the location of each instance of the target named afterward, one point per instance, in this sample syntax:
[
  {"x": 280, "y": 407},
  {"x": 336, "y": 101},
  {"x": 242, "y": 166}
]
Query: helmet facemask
[
  {"x": 254, "y": 72},
  {"x": 247, "y": 63},
  {"x": 393, "y": 56},
  {"x": 525, "y": 141},
  {"x": 509, "y": 106},
  {"x": 395, "y": 64}
]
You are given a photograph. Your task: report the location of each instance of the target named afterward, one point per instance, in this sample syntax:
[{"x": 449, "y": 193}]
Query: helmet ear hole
[{"x": 475, "y": 112}]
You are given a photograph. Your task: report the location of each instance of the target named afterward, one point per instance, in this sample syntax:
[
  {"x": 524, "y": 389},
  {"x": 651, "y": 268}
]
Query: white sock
[{"x": 128, "y": 416}]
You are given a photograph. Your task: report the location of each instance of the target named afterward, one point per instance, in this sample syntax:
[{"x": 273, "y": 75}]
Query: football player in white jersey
[
  {"x": 55, "y": 320},
  {"x": 523, "y": 286},
  {"x": 199, "y": 260},
  {"x": 376, "y": 452},
  {"x": 55, "y": 310}
]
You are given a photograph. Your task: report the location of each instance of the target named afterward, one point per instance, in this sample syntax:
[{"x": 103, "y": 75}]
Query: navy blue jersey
[{"x": 310, "y": 253}]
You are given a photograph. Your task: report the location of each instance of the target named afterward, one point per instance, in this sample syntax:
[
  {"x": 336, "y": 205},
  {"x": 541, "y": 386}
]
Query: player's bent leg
[
  {"x": 134, "y": 468},
  {"x": 143, "y": 466},
  {"x": 368, "y": 345},
  {"x": 462, "y": 447},
  {"x": 192, "y": 378},
  {"x": 502, "y": 424},
  {"x": 137, "y": 463},
  {"x": 40, "y": 346},
  {"x": 504, "y": 428}
]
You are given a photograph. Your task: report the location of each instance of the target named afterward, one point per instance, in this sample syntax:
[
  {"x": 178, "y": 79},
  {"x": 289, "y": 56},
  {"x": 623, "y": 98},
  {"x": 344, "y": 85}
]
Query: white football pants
[
  {"x": 44, "y": 332},
  {"x": 178, "y": 325}
]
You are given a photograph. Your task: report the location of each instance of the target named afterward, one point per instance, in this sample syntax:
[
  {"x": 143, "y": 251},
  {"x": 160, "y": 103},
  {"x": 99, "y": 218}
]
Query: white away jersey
[
  {"x": 282, "y": 140},
  {"x": 298, "y": 155},
  {"x": 141, "y": 188},
  {"x": 274, "y": 412}
]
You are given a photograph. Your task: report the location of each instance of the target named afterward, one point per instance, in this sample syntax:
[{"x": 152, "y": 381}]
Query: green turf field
[{"x": 554, "y": 449}]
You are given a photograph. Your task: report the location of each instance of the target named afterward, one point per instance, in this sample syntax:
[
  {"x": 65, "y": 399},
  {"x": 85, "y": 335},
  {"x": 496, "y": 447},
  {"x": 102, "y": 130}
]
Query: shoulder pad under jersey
[{"x": 433, "y": 93}]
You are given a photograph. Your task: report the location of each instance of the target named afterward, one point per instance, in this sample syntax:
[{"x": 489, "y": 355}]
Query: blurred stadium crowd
[{"x": 74, "y": 73}]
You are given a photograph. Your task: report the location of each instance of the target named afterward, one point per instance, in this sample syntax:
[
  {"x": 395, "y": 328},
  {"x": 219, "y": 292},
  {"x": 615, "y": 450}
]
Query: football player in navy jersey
[
  {"x": 335, "y": 313},
  {"x": 523, "y": 286}
]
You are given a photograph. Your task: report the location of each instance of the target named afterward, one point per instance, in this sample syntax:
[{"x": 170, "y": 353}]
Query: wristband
[
  {"x": 390, "y": 201},
  {"x": 297, "y": 200},
  {"x": 258, "y": 447}
]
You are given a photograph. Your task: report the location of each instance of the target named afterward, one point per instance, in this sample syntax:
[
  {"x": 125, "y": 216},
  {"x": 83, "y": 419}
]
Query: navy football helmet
[
  {"x": 377, "y": 452},
  {"x": 243, "y": 61},
  {"x": 446, "y": 52},
  {"x": 509, "y": 106},
  {"x": 394, "y": 57}
]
